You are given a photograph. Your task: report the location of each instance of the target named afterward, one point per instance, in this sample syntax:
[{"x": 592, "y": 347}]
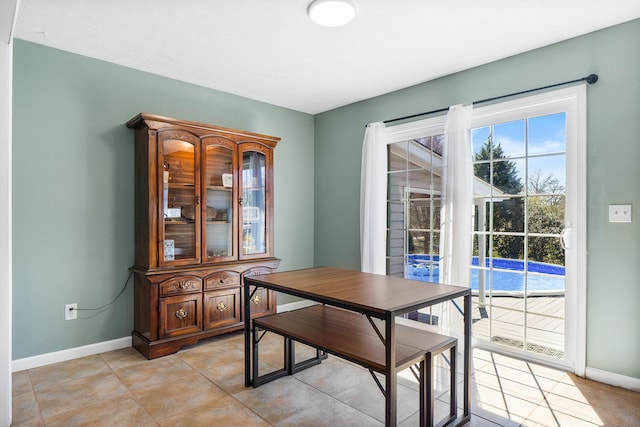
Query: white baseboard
[
  {"x": 295, "y": 305},
  {"x": 102, "y": 347},
  {"x": 68, "y": 354},
  {"x": 614, "y": 379}
]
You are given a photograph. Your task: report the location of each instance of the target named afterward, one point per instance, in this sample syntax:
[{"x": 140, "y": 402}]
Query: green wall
[
  {"x": 73, "y": 187},
  {"x": 613, "y": 285}
]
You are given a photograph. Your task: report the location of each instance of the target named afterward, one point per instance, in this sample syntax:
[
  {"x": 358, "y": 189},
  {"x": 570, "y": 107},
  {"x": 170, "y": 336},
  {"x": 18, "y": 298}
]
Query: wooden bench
[{"x": 352, "y": 336}]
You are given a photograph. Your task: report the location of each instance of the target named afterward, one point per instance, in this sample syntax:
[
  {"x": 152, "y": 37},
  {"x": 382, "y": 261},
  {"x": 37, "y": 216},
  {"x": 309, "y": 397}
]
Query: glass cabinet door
[
  {"x": 179, "y": 201},
  {"x": 255, "y": 213},
  {"x": 219, "y": 240}
]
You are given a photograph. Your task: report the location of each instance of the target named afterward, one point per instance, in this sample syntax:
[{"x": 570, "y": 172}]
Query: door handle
[{"x": 565, "y": 237}]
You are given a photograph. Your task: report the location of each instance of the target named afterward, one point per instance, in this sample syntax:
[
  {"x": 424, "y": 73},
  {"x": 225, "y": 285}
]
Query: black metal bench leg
[{"x": 453, "y": 401}]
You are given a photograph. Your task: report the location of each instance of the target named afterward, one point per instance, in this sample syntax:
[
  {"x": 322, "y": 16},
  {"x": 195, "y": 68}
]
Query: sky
[{"x": 542, "y": 138}]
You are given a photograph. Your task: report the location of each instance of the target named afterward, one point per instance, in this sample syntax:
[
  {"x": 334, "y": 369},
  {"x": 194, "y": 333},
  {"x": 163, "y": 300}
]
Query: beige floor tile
[
  {"x": 355, "y": 387},
  {"x": 574, "y": 408},
  {"x": 596, "y": 401},
  {"x": 287, "y": 398},
  {"x": 121, "y": 358},
  {"x": 58, "y": 373},
  {"x": 177, "y": 396},
  {"x": 20, "y": 383},
  {"x": 225, "y": 411},
  {"x": 164, "y": 370},
  {"x": 330, "y": 415},
  {"x": 122, "y": 411},
  {"x": 204, "y": 360},
  {"x": 72, "y": 395},
  {"x": 25, "y": 410},
  {"x": 490, "y": 404},
  {"x": 230, "y": 377}
]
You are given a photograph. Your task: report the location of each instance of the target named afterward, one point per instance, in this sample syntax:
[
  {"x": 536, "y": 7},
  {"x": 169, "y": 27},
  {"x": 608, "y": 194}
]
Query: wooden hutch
[{"x": 203, "y": 222}]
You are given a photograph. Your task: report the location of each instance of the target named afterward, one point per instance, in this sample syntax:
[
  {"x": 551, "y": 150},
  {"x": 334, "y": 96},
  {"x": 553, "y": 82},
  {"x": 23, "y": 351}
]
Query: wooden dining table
[{"x": 374, "y": 296}]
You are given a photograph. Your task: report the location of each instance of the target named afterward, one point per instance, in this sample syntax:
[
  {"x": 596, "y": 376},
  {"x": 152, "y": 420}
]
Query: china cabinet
[{"x": 203, "y": 222}]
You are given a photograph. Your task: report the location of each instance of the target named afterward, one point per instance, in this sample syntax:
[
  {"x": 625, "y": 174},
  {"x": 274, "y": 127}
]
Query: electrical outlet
[
  {"x": 71, "y": 311},
  {"x": 619, "y": 213}
]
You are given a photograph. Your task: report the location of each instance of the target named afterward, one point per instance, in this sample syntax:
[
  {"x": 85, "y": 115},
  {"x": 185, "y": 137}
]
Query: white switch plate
[{"x": 619, "y": 213}]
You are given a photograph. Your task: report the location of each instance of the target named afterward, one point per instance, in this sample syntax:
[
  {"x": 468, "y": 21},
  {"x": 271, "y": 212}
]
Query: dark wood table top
[{"x": 367, "y": 293}]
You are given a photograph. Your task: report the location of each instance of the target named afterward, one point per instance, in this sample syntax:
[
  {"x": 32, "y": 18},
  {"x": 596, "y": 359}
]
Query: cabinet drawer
[
  {"x": 180, "y": 315},
  {"x": 221, "y": 308},
  {"x": 222, "y": 279},
  {"x": 180, "y": 285}
]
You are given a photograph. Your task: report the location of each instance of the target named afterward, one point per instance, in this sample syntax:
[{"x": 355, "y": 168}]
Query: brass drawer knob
[
  {"x": 181, "y": 313},
  {"x": 256, "y": 299},
  {"x": 222, "y": 306}
]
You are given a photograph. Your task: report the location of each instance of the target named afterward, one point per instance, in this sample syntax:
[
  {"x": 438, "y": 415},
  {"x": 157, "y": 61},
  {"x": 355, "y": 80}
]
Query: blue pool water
[{"x": 507, "y": 274}]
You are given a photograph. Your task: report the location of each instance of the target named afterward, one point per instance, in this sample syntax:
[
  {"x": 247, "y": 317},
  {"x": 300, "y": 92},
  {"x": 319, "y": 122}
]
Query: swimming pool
[{"x": 508, "y": 276}]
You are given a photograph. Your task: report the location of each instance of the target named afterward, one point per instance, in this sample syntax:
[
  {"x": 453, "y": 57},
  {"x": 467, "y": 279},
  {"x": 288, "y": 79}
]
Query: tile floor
[{"x": 203, "y": 385}]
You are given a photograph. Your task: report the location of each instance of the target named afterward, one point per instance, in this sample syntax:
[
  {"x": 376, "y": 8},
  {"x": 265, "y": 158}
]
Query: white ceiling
[{"x": 269, "y": 50}]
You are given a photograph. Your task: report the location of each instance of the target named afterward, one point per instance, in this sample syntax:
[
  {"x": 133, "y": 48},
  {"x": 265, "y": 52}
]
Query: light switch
[{"x": 619, "y": 213}]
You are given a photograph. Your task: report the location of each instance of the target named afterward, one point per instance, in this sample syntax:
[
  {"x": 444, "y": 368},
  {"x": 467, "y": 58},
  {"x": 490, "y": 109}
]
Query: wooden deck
[{"x": 545, "y": 323}]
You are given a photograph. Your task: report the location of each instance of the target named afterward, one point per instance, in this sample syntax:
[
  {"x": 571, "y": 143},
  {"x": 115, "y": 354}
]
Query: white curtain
[
  {"x": 456, "y": 212},
  {"x": 373, "y": 200}
]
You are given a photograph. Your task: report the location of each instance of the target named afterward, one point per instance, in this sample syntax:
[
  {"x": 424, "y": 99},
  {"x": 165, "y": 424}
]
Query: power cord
[{"x": 108, "y": 304}]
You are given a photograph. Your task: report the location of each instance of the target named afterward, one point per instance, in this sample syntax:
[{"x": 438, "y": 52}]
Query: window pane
[
  {"x": 547, "y": 134},
  {"x": 423, "y": 267},
  {"x": 509, "y": 247},
  {"x": 508, "y": 215},
  {"x": 508, "y": 177},
  {"x": 546, "y": 214},
  {"x": 425, "y": 152},
  {"x": 480, "y": 140},
  {"x": 419, "y": 242},
  {"x": 547, "y": 174},
  {"x": 508, "y": 139},
  {"x": 547, "y": 250},
  {"x": 397, "y": 156},
  {"x": 396, "y": 186},
  {"x": 423, "y": 180},
  {"x": 254, "y": 222},
  {"x": 545, "y": 335}
]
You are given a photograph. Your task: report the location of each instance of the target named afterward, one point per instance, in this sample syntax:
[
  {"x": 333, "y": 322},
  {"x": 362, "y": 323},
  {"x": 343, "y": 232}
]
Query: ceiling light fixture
[{"x": 332, "y": 13}]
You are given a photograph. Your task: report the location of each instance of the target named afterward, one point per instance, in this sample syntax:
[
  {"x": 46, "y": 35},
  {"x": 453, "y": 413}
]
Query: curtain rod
[{"x": 591, "y": 79}]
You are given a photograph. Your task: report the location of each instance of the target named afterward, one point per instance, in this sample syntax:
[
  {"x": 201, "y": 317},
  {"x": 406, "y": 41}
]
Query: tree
[
  {"x": 546, "y": 215},
  {"x": 508, "y": 214}
]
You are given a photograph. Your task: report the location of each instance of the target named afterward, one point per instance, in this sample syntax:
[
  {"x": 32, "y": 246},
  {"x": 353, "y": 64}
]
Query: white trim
[
  {"x": 6, "y": 81},
  {"x": 295, "y": 305},
  {"x": 69, "y": 354},
  {"x": 613, "y": 379},
  {"x": 581, "y": 233}
]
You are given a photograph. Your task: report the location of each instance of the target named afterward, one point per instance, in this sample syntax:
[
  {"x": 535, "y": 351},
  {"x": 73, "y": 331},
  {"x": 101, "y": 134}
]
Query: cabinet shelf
[
  {"x": 179, "y": 185},
  {"x": 178, "y": 221}
]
